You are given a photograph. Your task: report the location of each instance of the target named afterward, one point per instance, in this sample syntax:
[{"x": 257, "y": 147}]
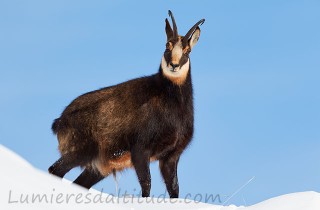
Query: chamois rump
[{"x": 133, "y": 123}]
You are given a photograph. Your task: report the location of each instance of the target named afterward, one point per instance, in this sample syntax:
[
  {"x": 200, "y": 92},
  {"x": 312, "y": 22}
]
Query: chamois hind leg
[
  {"x": 64, "y": 165},
  {"x": 168, "y": 168},
  {"x": 88, "y": 178},
  {"x": 141, "y": 161}
]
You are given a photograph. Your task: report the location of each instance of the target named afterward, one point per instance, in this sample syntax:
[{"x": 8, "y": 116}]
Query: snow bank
[{"x": 24, "y": 187}]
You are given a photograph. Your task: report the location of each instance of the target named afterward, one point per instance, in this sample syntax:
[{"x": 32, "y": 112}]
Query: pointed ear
[
  {"x": 194, "y": 38},
  {"x": 169, "y": 31}
]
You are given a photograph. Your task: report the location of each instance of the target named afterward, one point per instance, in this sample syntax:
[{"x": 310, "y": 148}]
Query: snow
[{"x": 22, "y": 186}]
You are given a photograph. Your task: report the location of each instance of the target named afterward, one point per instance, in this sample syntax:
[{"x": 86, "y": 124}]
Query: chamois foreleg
[
  {"x": 140, "y": 158},
  {"x": 168, "y": 168}
]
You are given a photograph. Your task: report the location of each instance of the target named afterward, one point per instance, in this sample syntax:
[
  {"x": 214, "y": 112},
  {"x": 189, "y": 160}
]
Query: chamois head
[{"x": 175, "y": 61}]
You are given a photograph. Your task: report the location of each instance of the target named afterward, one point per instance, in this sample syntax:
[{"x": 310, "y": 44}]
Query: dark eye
[
  {"x": 168, "y": 46},
  {"x": 187, "y": 51}
]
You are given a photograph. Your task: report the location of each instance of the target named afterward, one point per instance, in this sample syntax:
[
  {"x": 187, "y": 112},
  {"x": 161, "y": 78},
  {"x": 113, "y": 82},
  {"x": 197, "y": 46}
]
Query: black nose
[{"x": 174, "y": 65}]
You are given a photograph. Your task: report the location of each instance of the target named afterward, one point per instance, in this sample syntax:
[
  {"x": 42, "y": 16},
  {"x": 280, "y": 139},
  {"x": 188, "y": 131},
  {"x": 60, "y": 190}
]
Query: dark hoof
[{"x": 51, "y": 169}]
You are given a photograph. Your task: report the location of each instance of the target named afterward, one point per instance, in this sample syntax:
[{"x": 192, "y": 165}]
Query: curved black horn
[
  {"x": 187, "y": 36},
  {"x": 175, "y": 29}
]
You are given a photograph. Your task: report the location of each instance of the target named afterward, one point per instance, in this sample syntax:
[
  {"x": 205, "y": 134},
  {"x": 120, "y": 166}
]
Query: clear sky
[{"x": 256, "y": 74}]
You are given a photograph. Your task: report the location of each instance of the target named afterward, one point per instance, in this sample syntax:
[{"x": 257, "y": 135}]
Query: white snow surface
[{"x": 22, "y": 186}]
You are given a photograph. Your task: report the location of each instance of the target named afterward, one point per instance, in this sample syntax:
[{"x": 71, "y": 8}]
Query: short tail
[{"x": 55, "y": 125}]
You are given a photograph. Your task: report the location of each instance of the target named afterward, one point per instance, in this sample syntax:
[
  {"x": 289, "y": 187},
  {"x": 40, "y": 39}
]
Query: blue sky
[{"x": 256, "y": 74}]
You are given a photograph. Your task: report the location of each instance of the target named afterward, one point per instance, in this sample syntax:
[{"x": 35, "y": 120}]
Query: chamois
[{"x": 133, "y": 123}]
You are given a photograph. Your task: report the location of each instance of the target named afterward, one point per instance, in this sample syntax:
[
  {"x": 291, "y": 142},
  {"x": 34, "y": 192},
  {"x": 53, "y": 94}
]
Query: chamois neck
[{"x": 174, "y": 89}]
